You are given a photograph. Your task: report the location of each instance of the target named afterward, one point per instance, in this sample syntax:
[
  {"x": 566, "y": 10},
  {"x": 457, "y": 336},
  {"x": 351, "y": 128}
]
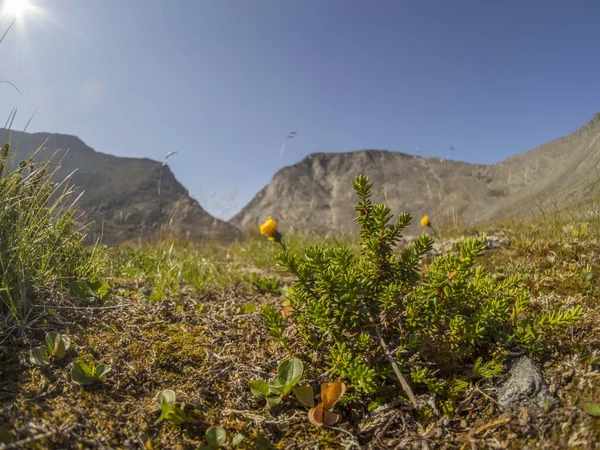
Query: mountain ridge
[
  {"x": 315, "y": 193},
  {"x": 119, "y": 200}
]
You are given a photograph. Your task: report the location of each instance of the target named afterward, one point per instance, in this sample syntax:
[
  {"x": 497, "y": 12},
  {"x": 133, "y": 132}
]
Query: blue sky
[{"x": 224, "y": 81}]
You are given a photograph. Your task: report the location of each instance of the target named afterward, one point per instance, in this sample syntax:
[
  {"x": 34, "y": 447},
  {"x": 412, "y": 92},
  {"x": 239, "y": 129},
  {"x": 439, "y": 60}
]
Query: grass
[
  {"x": 39, "y": 246},
  {"x": 186, "y": 317}
]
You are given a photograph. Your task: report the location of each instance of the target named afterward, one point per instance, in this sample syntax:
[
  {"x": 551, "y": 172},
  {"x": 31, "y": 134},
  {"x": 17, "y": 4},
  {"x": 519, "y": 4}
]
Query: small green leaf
[
  {"x": 274, "y": 399},
  {"x": 237, "y": 439},
  {"x": 259, "y": 388},
  {"x": 262, "y": 443},
  {"x": 593, "y": 409},
  {"x": 216, "y": 436},
  {"x": 246, "y": 309},
  {"x": 101, "y": 370},
  {"x": 82, "y": 374},
  {"x": 166, "y": 400},
  {"x": 305, "y": 395},
  {"x": 176, "y": 415},
  {"x": 170, "y": 411},
  {"x": 51, "y": 342},
  {"x": 103, "y": 291},
  {"x": 39, "y": 357},
  {"x": 156, "y": 296},
  {"x": 99, "y": 288},
  {"x": 57, "y": 344},
  {"x": 275, "y": 387},
  {"x": 290, "y": 372},
  {"x": 65, "y": 343}
]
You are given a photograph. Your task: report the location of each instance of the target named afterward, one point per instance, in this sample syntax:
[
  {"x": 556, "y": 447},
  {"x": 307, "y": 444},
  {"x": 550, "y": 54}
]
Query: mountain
[
  {"x": 316, "y": 194},
  {"x": 119, "y": 196}
]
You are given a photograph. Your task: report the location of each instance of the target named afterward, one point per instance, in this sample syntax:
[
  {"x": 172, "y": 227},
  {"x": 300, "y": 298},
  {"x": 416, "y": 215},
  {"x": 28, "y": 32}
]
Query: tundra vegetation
[{"x": 288, "y": 341}]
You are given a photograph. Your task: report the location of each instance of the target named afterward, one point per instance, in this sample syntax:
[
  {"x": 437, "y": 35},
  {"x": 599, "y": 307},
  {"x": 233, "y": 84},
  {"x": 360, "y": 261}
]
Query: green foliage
[
  {"x": 274, "y": 323},
  {"x": 216, "y": 437},
  {"x": 56, "y": 346},
  {"x": 289, "y": 373},
  {"x": 593, "y": 409},
  {"x": 487, "y": 370},
  {"x": 87, "y": 374},
  {"x": 263, "y": 284},
  {"x": 345, "y": 305},
  {"x": 353, "y": 367},
  {"x": 85, "y": 289},
  {"x": 164, "y": 269},
  {"x": 170, "y": 411},
  {"x": 237, "y": 439},
  {"x": 586, "y": 276},
  {"x": 38, "y": 241},
  {"x": 245, "y": 309}
]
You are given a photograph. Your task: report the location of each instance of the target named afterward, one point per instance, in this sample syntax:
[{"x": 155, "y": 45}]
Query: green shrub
[
  {"x": 374, "y": 318},
  {"x": 39, "y": 245}
]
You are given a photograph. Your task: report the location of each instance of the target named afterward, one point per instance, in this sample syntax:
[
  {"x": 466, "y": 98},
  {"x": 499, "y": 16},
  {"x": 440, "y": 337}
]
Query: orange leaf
[
  {"x": 330, "y": 418},
  {"x": 331, "y": 393},
  {"x": 319, "y": 416},
  {"x": 316, "y": 415}
]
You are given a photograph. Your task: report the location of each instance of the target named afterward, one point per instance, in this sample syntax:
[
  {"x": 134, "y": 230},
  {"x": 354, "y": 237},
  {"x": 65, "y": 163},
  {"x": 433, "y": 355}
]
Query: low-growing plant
[
  {"x": 289, "y": 373},
  {"x": 56, "y": 346},
  {"x": 245, "y": 309},
  {"x": 322, "y": 414},
  {"x": 378, "y": 317},
  {"x": 215, "y": 438},
  {"x": 170, "y": 410},
  {"x": 84, "y": 289},
  {"x": 263, "y": 284},
  {"x": 86, "y": 374}
]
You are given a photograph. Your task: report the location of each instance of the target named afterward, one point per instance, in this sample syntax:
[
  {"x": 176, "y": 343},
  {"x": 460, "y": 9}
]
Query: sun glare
[{"x": 15, "y": 7}]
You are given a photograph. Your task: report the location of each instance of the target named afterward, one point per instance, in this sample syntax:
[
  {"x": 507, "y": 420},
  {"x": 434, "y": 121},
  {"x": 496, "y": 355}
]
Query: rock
[
  {"x": 524, "y": 385},
  {"x": 496, "y": 241},
  {"x": 440, "y": 248}
]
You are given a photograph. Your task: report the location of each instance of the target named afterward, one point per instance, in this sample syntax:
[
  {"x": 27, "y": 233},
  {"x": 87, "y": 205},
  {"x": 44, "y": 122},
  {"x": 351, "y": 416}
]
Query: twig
[
  {"x": 494, "y": 424},
  {"x": 37, "y": 437},
  {"x": 403, "y": 384},
  {"x": 122, "y": 305}
]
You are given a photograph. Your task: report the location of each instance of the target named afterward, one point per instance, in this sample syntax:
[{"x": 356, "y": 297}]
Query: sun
[{"x": 15, "y": 7}]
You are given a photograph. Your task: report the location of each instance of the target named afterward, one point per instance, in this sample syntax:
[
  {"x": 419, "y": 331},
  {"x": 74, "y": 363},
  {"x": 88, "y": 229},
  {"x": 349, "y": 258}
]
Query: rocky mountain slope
[
  {"x": 119, "y": 200},
  {"x": 316, "y": 194}
]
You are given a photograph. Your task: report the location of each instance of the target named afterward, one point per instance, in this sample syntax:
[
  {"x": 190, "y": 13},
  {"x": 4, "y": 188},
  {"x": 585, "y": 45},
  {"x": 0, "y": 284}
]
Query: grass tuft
[{"x": 39, "y": 244}]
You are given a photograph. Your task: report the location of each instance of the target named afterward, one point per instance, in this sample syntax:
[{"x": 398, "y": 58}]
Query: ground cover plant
[{"x": 184, "y": 330}]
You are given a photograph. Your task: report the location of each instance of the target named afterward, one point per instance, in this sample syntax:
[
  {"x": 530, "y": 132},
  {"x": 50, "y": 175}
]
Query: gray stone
[{"x": 524, "y": 385}]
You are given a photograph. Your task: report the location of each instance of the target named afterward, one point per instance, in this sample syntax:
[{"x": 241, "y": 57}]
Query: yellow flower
[
  {"x": 425, "y": 222},
  {"x": 269, "y": 227}
]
